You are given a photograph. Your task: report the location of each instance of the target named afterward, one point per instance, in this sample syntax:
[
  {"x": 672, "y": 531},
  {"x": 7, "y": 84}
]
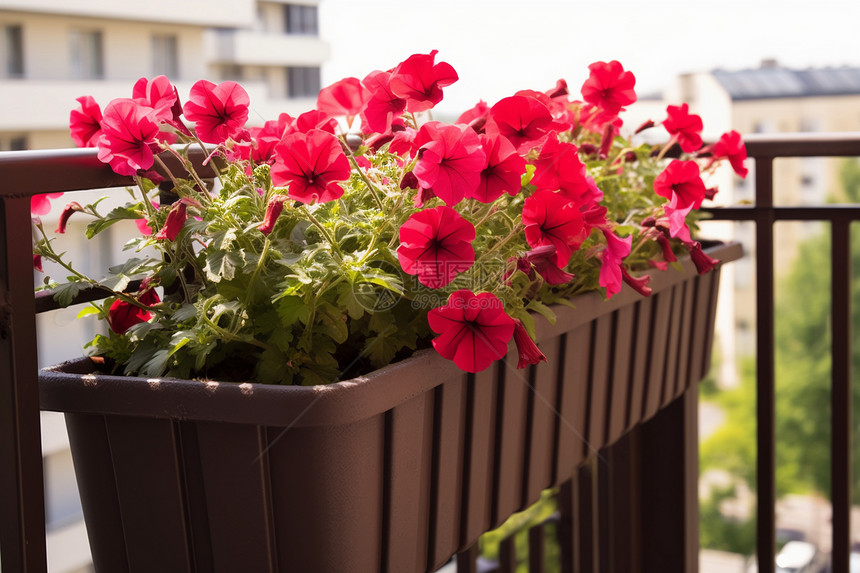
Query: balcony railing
[{"x": 593, "y": 506}]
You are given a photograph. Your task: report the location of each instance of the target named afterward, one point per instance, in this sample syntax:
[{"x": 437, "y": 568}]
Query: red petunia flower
[
  {"x": 384, "y": 104},
  {"x": 681, "y": 179},
  {"x": 436, "y": 245},
  {"x": 474, "y": 330},
  {"x": 85, "y": 123},
  {"x": 684, "y": 126},
  {"x": 311, "y": 165},
  {"x": 558, "y": 168},
  {"x": 451, "y": 160},
  {"x": 123, "y": 315},
  {"x": 345, "y": 97},
  {"x": 523, "y": 120},
  {"x": 503, "y": 171},
  {"x": 265, "y": 139},
  {"x": 611, "y": 258},
  {"x": 551, "y": 219},
  {"x": 41, "y": 204},
  {"x": 731, "y": 146},
  {"x": 479, "y": 113},
  {"x": 218, "y": 111},
  {"x": 163, "y": 97},
  {"x": 273, "y": 211},
  {"x": 314, "y": 119},
  {"x": 37, "y": 263},
  {"x": 419, "y": 81},
  {"x": 609, "y": 87},
  {"x": 528, "y": 351},
  {"x": 129, "y": 137},
  {"x": 542, "y": 260}
]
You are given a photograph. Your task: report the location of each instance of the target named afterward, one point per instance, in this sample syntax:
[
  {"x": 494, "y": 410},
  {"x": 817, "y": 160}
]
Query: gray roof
[{"x": 778, "y": 82}]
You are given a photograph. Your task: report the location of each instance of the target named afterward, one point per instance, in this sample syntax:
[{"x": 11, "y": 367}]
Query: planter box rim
[{"x": 75, "y": 387}]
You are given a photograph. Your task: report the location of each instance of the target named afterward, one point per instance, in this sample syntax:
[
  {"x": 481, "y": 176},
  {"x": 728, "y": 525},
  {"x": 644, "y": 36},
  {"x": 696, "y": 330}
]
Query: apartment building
[{"x": 53, "y": 51}]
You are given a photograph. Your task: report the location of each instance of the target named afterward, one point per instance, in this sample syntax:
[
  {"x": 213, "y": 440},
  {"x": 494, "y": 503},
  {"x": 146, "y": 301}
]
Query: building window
[
  {"x": 12, "y": 52},
  {"x": 165, "y": 56},
  {"x": 13, "y": 142},
  {"x": 303, "y": 82},
  {"x": 87, "y": 54},
  {"x": 301, "y": 19}
]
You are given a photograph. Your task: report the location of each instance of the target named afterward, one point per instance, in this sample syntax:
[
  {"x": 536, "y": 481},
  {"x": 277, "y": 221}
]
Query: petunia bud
[
  {"x": 639, "y": 284},
  {"x": 37, "y": 263},
  {"x": 273, "y": 211},
  {"x": 711, "y": 192},
  {"x": 703, "y": 262},
  {"x": 588, "y": 149},
  {"x": 646, "y": 125},
  {"x": 606, "y": 143},
  {"x": 175, "y": 221},
  {"x": 668, "y": 254},
  {"x": 528, "y": 351},
  {"x": 64, "y": 216}
]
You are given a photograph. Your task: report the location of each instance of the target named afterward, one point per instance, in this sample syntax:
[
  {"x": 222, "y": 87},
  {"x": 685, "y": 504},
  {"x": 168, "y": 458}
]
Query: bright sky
[{"x": 501, "y": 46}]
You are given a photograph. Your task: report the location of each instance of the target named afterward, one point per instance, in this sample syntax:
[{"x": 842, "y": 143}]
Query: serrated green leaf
[
  {"x": 222, "y": 265},
  {"x": 292, "y": 309},
  {"x": 379, "y": 350},
  {"x": 65, "y": 293},
  {"x": 332, "y": 323}
]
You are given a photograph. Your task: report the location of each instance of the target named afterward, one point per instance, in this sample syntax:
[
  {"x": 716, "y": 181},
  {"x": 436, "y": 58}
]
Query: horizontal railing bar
[
  {"x": 784, "y": 213},
  {"x": 28, "y": 173},
  {"x": 45, "y": 299},
  {"x": 844, "y": 144}
]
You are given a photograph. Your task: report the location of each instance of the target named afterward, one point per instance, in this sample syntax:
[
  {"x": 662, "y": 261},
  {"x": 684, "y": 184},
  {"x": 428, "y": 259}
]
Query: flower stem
[{"x": 334, "y": 246}]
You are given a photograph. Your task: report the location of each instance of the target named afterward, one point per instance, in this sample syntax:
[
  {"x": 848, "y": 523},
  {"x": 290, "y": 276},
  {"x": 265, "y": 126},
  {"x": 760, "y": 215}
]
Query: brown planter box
[{"x": 395, "y": 471}]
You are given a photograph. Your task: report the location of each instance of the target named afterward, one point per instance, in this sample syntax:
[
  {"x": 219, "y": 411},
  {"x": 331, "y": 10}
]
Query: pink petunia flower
[
  {"x": 474, "y": 330},
  {"x": 525, "y": 121},
  {"x": 731, "y": 146},
  {"x": 609, "y": 87},
  {"x": 436, "y": 245},
  {"x": 558, "y": 168},
  {"x": 347, "y": 97},
  {"x": 503, "y": 171},
  {"x": 384, "y": 104},
  {"x": 218, "y": 111},
  {"x": 551, "y": 219},
  {"x": 420, "y": 81},
  {"x": 129, "y": 137},
  {"x": 85, "y": 122},
  {"x": 684, "y": 126},
  {"x": 311, "y": 165},
  {"x": 451, "y": 160},
  {"x": 41, "y": 204},
  {"x": 611, "y": 258},
  {"x": 681, "y": 179}
]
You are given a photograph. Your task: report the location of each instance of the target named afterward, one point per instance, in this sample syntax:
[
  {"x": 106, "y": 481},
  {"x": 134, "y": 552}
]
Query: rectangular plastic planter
[{"x": 395, "y": 471}]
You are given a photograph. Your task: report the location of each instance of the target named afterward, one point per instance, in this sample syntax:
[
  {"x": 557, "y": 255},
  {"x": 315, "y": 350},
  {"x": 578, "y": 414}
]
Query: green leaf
[
  {"x": 380, "y": 350},
  {"x": 292, "y": 309},
  {"x": 222, "y": 265},
  {"x": 126, "y": 212},
  {"x": 185, "y": 312},
  {"x": 65, "y": 293},
  {"x": 332, "y": 323},
  {"x": 88, "y": 310},
  {"x": 115, "y": 283},
  {"x": 542, "y": 310}
]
